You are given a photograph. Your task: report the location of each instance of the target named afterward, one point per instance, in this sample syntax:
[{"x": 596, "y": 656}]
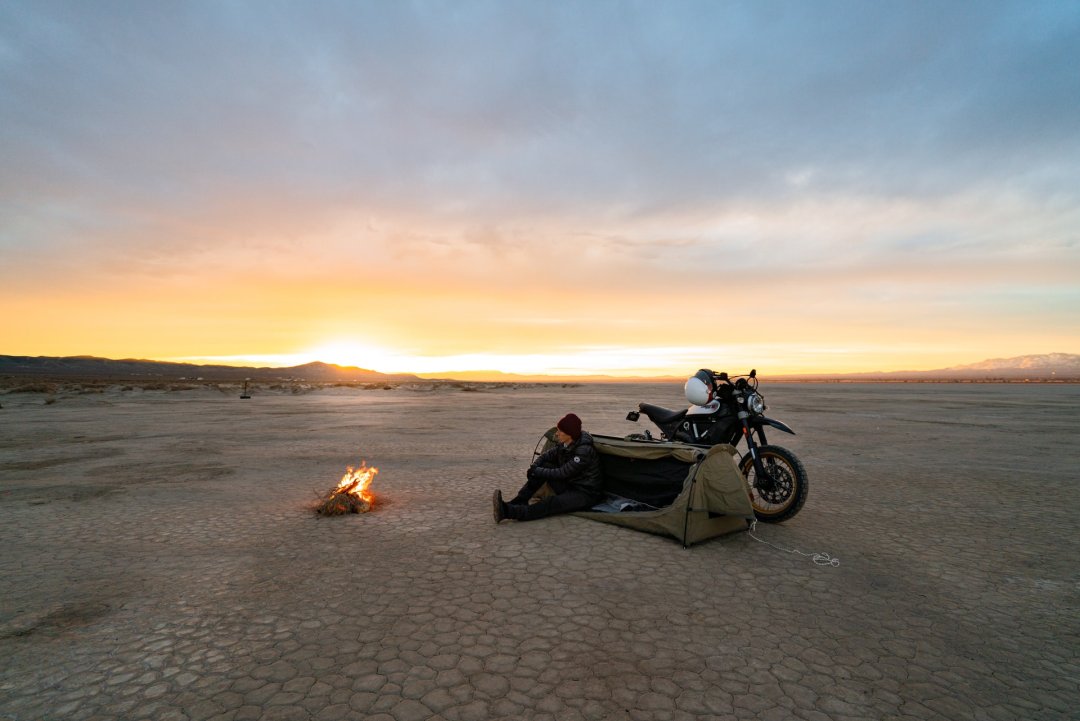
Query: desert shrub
[
  {"x": 36, "y": 387},
  {"x": 466, "y": 387}
]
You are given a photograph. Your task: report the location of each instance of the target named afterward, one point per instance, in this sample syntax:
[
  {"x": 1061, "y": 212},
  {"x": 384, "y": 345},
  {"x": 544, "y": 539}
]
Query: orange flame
[{"x": 356, "y": 481}]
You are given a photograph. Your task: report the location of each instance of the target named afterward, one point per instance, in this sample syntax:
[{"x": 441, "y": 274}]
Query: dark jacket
[{"x": 577, "y": 464}]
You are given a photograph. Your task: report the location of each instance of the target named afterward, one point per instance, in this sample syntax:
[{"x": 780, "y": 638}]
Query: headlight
[{"x": 755, "y": 403}]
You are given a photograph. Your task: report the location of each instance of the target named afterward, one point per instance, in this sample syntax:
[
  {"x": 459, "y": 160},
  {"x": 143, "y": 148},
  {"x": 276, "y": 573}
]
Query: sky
[{"x": 620, "y": 188}]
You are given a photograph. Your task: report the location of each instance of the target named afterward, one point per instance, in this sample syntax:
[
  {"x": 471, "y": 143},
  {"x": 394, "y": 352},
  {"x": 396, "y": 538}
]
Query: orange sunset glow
[{"x": 539, "y": 189}]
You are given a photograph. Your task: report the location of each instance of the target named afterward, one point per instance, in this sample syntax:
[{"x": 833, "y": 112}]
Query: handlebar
[{"x": 723, "y": 377}]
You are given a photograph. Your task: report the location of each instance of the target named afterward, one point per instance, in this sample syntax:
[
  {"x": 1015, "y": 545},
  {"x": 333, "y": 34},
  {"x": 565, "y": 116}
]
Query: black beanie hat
[{"x": 570, "y": 425}]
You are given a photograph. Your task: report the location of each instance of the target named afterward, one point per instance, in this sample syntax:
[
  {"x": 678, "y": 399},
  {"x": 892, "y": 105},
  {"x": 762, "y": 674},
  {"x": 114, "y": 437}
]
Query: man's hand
[{"x": 529, "y": 473}]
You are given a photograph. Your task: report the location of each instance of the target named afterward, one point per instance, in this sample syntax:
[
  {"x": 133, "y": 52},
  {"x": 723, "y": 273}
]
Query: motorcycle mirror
[
  {"x": 633, "y": 416},
  {"x": 722, "y": 376},
  {"x": 753, "y": 373}
]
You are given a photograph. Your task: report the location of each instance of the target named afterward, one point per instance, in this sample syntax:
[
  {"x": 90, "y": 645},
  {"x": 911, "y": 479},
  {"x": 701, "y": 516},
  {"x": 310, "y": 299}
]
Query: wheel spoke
[{"x": 780, "y": 491}]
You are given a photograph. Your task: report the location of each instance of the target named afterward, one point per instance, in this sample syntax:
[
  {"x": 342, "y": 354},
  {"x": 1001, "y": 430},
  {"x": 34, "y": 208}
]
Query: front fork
[{"x": 748, "y": 434}]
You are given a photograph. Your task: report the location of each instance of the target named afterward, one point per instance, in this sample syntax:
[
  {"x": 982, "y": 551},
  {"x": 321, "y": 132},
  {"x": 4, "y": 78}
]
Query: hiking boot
[{"x": 498, "y": 506}]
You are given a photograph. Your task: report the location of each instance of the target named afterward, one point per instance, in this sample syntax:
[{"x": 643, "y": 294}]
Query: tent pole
[
  {"x": 689, "y": 503},
  {"x": 690, "y": 499}
]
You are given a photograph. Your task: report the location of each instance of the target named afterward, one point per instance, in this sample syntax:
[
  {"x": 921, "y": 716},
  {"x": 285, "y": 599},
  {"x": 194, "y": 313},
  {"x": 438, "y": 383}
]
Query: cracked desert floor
[{"x": 159, "y": 560}]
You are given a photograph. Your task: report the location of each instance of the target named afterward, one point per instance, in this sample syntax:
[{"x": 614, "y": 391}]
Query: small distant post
[{"x": 244, "y": 393}]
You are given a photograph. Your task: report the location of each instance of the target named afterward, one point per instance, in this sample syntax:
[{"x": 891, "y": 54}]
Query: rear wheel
[{"x": 779, "y": 494}]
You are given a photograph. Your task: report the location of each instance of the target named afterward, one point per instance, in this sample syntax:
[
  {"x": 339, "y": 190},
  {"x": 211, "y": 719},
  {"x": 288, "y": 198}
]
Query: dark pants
[{"x": 567, "y": 499}]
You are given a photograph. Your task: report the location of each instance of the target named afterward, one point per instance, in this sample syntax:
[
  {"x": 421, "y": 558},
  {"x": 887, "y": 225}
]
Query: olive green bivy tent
[{"x": 690, "y": 493}]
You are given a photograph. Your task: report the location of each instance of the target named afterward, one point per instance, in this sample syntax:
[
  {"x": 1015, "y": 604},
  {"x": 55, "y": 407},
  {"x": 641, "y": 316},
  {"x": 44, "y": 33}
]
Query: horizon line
[{"x": 577, "y": 374}]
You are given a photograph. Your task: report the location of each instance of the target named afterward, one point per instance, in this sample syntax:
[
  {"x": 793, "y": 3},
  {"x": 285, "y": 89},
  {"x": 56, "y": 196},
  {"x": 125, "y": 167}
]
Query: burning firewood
[{"x": 351, "y": 495}]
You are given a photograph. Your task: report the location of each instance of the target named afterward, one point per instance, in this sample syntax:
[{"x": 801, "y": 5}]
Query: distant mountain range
[
  {"x": 1046, "y": 367},
  {"x": 1053, "y": 362},
  {"x": 106, "y": 368}
]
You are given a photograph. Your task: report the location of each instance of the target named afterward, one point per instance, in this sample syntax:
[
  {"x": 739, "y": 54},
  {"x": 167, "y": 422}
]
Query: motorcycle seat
[{"x": 658, "y": 414}]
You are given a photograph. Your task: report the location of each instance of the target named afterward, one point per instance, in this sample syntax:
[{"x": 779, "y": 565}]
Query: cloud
[{"x": 512, "y": 108}]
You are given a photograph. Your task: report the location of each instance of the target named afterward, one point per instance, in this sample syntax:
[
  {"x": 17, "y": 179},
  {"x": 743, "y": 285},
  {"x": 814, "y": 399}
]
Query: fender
[{"x": 758, "y": 421}]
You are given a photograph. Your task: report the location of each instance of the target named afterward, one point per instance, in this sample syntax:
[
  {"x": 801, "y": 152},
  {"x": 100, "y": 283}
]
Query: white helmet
[{"x": 699, "y": 388}]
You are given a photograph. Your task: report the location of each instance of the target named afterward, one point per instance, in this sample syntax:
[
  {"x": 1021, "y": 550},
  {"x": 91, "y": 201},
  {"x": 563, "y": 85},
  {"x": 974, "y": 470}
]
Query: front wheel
[{"x": 782, "y": 492}]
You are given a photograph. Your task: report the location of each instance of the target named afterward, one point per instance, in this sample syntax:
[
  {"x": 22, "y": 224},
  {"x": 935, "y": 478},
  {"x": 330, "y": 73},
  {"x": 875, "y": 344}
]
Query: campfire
[{"x": 351, "y": 495}]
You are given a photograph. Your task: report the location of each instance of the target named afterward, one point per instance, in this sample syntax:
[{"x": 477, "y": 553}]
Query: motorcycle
[{"x": 723, "y": 410}]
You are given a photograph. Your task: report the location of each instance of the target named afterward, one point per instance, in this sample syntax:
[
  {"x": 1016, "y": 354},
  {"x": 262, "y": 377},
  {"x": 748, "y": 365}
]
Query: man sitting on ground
[{"x": 571, "y": 469}]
